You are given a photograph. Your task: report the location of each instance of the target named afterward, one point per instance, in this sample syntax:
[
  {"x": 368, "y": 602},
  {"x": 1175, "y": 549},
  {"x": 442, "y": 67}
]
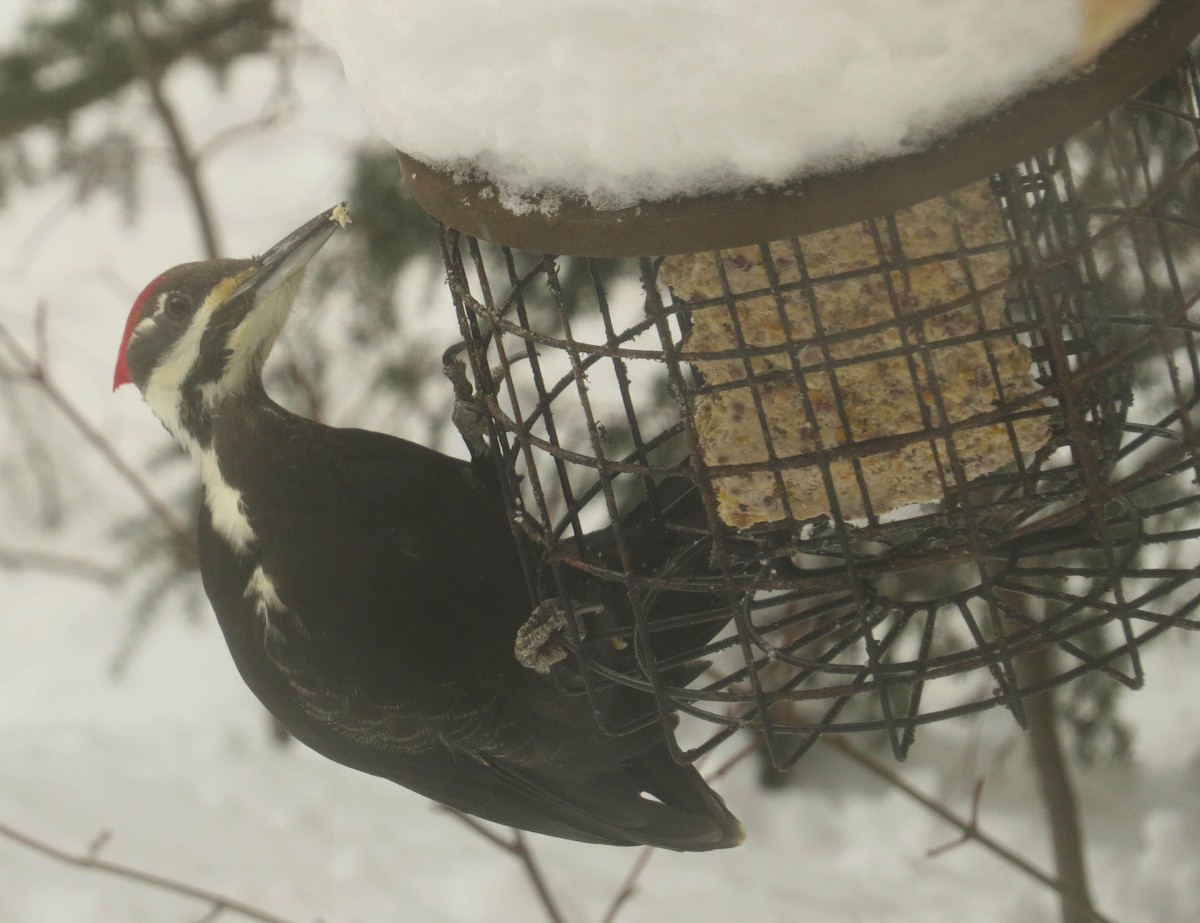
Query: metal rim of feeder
[
  {"x": 812, "y": 641},
  {"x": 975, "y": 150}
]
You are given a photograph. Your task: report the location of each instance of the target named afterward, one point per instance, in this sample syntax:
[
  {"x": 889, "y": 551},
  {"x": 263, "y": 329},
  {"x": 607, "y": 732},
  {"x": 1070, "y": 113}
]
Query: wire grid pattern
[{"x": 857, "y": 616}]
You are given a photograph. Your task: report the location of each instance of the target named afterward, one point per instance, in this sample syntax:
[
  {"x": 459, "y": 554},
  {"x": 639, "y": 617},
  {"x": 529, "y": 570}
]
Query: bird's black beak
[{"x": 292, "y": 253}]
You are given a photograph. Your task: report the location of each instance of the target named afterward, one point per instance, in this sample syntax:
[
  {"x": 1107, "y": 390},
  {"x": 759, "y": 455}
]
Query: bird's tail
[{"x": 694, "y": 817}]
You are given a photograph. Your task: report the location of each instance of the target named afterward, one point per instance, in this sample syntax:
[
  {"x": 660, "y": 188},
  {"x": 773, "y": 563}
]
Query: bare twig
[
  {"x": 40, "y": 462},
  {"x": 90, "y": 859},
  {"x": 41, "y": 345},
  {"x": 98, "y": 843},
  {"x": 25, "y": 559},
  {"x": 972, "y": 823},
  {"x": 211, "y": 914},
  {"x": 521, "y": 849},
  {"x": 967, "y": 826},
  {"x": 278, "y": 105},
  {"x": 37, "y": 374},
  {"x": 22, "y": 254},
  {"x": 185, "y": 161},
  {"x": 482, "y": 829},
  {"x": 629, "y": 885},
  {"x": 517, "y": 846},
  {"x": 753, "y": 747}
]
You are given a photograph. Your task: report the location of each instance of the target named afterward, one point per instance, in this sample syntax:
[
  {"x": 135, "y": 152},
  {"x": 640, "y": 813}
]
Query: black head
[{"x": 200, "y": 332}]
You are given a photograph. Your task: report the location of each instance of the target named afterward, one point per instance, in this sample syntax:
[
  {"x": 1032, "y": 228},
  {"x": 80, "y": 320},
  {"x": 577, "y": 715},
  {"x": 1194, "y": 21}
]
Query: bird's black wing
[
  {"x": 391, "y": 649},
  {"x": 476, "y": 773},
  {"x": 385, "y": 592}
]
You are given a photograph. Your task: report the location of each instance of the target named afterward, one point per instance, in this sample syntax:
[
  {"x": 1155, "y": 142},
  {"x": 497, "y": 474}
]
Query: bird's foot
[
  {"x": 542, "y": 641},
  {"x": 469, "y": 416}
]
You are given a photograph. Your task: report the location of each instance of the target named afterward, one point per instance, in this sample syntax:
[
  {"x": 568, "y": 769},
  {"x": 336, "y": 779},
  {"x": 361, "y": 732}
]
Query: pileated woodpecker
[{"x": 370, "y": 589}]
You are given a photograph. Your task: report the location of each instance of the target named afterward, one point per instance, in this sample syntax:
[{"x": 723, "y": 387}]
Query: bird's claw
[
  {"x": 542, "y": 641},
  {"x": 468, "y": 415}
]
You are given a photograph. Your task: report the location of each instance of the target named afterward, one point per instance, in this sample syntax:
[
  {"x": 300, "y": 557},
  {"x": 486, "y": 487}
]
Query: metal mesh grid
[{"x": 892, "y": 474}]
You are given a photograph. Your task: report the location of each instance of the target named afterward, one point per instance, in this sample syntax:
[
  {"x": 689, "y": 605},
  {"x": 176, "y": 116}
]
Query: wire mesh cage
[{"x": 858, "y": 479}]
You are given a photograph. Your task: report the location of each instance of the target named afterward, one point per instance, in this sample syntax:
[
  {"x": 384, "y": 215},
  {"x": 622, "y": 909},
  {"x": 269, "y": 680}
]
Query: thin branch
[
  {"x": 753, "y": 747},
  {"x": 41, "y": 345},
  {"x": 522, "y": 851},
  {"x": 482, "y": 829},
  {"x": 185, "y": 161},
  {"x": 280, "y": 102},
  {"x": 972, "y": 823},
  {"x": 629, "y": 885},
  {"x": 518, "y": 847},
  {"x": 967, "y": 826},
  {"x": 40, "y": 462},
  {"x": 38, "y": 375},
  {"x": 211, "y": 914},
  {"x": 22, "y": 254},
  {"x": 90, "y": 859},
  {"x": 24, "y": 559}
]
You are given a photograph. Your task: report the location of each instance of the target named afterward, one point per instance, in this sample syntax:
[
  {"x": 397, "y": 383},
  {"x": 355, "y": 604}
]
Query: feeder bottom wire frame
[{"x": 896, "y": 460}]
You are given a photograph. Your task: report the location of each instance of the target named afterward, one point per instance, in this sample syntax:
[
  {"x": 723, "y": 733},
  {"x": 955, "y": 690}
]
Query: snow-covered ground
[
  {"x": 174, "y": 760},
  {"x": 175, "y": 763}
]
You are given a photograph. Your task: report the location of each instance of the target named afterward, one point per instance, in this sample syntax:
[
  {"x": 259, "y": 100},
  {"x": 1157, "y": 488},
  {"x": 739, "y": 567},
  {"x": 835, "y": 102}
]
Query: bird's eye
[{"x": 178, "y": 306}]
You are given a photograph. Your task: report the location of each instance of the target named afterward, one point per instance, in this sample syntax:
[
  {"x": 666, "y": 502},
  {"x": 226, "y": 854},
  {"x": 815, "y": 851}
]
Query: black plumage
[{"x": 370, "y": 591}]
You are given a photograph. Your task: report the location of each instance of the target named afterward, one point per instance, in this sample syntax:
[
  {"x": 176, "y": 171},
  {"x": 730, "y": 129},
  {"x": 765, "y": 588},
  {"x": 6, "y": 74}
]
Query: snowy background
[{"x": 174, "y": 761}]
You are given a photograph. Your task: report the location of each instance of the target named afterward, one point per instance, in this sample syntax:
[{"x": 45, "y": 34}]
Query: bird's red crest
[{"x": 122, "y": 375}]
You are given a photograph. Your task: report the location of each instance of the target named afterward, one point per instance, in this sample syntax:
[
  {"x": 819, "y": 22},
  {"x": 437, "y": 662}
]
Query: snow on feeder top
[
  {"x": 585, "y": 119},
  {"x": 913, "y": 422}
]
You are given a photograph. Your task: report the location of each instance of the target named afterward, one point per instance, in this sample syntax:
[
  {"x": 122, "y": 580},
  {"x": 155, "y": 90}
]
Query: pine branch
[
  {"x": 185, "y": 160},
  {"x": 105, "y": 65}
]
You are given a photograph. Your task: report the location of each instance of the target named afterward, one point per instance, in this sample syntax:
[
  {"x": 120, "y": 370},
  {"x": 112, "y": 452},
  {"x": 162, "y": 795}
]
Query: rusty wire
[{"x": 857, "y": 617}]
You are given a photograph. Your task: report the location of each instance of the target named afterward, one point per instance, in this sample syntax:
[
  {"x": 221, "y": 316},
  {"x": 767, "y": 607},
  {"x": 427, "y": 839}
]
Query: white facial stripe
[
  {"x": 224, "y": 501},
  {"x": 248, "y": 345},
  {"x": 163, "y": 390},
  {"x": 163, "y": 394}
]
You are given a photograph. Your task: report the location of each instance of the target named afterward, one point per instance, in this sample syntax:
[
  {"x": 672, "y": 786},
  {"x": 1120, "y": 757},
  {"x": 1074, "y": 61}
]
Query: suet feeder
[{"x": 940, "y": 412}]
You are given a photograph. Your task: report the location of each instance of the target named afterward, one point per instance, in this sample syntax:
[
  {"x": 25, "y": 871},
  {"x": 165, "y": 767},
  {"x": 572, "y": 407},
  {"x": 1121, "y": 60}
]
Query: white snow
[
  {"x": 646, "y": 99},
  {"x": 175, "y": 761}
]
